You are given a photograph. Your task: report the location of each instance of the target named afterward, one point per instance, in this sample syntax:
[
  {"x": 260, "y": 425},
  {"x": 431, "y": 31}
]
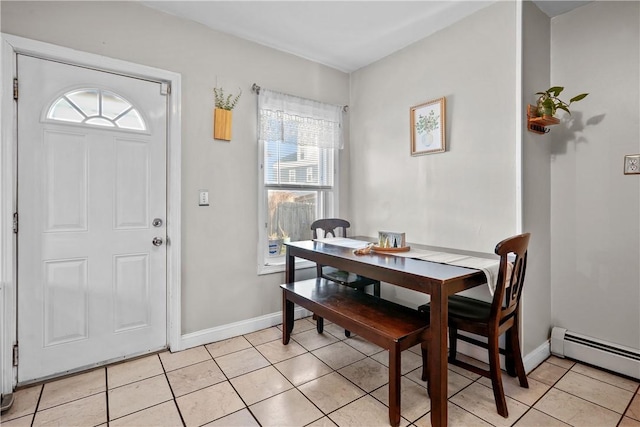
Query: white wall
[
  {"x": 595, "y": 209},
  {"x": 465, "y": 197},
  {"x": 219, "y": 280}
]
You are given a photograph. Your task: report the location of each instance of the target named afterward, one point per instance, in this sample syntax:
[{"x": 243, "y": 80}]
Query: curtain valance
[{"x": 291, "y": 119}]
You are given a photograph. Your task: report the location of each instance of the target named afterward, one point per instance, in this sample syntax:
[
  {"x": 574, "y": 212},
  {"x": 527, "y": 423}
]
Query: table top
[{"x": 411, "y": 273}]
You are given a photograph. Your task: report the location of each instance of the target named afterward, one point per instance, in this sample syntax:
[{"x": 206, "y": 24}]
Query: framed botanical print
[{"x": 427, "y": 127}]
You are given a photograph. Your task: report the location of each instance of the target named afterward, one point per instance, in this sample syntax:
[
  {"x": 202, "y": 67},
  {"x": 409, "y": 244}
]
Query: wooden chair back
[
  {"x": 329, "y": 226},
  {"x": 510, "y": 276}
]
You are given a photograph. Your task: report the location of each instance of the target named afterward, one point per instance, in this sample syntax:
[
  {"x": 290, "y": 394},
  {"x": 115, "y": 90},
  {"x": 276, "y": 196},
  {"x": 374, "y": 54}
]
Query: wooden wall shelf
[{"x": 538, "y": 124}]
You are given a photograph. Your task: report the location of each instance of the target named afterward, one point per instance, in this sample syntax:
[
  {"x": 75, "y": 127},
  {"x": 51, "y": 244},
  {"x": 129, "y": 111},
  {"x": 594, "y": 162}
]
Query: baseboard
[
  {"x": 535, "y": 358},
  {"x": 206, "y": 336},
  {"x": 231, "y": 330}
]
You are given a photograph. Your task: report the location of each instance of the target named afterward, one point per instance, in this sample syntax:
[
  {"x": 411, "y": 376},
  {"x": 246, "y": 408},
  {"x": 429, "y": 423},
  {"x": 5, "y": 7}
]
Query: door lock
[{"x": 157, "y": 222}]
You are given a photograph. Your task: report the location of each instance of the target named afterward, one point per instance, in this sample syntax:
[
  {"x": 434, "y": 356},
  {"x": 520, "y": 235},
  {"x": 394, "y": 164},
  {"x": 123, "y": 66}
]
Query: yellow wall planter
[{"x": 222, "y": 124}]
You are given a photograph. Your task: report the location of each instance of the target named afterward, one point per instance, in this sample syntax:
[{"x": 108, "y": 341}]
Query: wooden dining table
[{"x": 435, "y": 279}]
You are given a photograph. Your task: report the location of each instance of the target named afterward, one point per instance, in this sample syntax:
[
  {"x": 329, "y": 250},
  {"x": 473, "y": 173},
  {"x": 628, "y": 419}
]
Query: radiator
[{"x": 603, "y": 354}]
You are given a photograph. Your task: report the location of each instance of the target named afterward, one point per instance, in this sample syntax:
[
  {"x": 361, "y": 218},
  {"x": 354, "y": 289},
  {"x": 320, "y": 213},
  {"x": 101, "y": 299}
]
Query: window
[
  {"x": 96, "y": 107},
  {"x": 299, "y": 141}
]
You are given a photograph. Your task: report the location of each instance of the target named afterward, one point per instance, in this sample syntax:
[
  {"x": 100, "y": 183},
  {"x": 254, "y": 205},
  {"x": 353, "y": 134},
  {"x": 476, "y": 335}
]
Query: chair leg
[
  {"x": 426, "y": 371},
  {"x": 496, "y": 376},
  {"x": 376, "y": 289},
  {"x": 514, "y": 342},
  {"x": 347, "y": 333},
  {"x": 319, "y": 324},
  {"x": 425, "y": 361},
  {"x": 509, "y": 362},
  {"x": 453, "y": 343}
]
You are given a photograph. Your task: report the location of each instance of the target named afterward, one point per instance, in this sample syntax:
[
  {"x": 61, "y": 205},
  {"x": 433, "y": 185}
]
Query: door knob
[{"x": 157, "y": 241}]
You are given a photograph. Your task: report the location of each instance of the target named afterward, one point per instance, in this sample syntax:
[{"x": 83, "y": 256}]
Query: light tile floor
[{"x": 316, "y": 380}]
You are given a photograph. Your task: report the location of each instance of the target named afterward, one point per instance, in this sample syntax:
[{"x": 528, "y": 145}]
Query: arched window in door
[{"x": 96, "y": 107}]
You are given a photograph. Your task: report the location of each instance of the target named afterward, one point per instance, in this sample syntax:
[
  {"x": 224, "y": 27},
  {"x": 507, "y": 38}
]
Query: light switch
[{"x": 204, "y": 198}]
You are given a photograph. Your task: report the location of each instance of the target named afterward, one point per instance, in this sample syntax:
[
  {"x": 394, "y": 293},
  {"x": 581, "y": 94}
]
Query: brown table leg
[
  {"x": 438, "y": 358},
  {"x": 287, "y": 306},
  {"x": 290, "y": 267},
  {"x": 287, "y": 318}
]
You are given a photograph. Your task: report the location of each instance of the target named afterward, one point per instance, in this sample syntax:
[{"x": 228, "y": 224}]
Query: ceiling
[{"x": 345, "y": 35}]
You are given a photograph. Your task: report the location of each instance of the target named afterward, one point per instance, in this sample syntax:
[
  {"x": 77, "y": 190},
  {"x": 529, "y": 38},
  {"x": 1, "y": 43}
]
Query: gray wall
[
  {"x": 536, "y": 178},
  {"x": 465, "y": 197},
  {"x": 219, "y": 272},
  {"x": 595, "y": 212}
]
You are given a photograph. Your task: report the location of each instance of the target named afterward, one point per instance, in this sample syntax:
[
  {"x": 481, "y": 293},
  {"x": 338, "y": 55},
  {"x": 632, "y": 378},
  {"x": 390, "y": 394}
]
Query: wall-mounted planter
[
  {"x": 222, "y": 124},
  {"x": 538, "y": 124}
]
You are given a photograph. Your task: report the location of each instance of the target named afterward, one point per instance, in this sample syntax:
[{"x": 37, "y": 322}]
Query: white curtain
[{"x": 291, "y": 119}]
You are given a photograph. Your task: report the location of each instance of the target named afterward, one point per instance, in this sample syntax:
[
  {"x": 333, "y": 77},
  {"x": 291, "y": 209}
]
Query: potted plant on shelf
[
  {"x": 223, "y": 113},
  {"x": 548, "y": 102}
]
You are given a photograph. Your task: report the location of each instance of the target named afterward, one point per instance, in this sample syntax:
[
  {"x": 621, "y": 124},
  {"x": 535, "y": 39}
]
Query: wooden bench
[{"x": 389, "y": 325}]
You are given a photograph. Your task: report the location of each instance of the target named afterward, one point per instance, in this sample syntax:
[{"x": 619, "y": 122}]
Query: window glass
[
  {"x": 62, "y": 110},
  {"x": 131, "y": 120},
  {"x": 86, "y": 100},
  {"x": 113, "y": 106},
  {"x": 99, "y": 121},
  {"x": 96, "y": 107},
  {"x": 291, "y": 213}
]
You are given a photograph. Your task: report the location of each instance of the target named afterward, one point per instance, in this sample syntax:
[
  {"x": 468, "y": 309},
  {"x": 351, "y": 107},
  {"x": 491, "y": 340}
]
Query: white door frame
[{"x": 12, "y": 45}]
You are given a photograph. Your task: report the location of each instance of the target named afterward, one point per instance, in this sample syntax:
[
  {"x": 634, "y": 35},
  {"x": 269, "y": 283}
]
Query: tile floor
[{"x": 316, "y": 380}]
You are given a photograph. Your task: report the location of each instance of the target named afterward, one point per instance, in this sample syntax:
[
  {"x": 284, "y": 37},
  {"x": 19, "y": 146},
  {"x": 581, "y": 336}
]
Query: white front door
[{"x": 91, "y": 201}]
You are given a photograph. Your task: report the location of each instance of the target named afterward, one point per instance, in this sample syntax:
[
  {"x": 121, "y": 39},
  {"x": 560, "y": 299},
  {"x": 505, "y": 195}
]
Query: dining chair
[
  {"x": 329, "y": 227},
  {"x": 490, "y": 320}
]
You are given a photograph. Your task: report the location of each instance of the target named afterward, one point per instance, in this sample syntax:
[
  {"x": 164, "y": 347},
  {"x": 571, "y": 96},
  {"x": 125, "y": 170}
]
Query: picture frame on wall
[{"x": 427, "y": 127}]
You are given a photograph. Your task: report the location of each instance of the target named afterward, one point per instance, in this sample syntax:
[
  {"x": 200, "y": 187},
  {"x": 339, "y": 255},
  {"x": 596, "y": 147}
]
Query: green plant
[
  {"x": 427, "y": 123},
  {"x": 548, "y": 102},
  {"x": 227, "y": 102}
]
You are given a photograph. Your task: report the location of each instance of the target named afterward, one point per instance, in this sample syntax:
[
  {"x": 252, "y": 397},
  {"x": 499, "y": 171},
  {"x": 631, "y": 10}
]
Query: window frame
[{"x": 328, "y": 207}]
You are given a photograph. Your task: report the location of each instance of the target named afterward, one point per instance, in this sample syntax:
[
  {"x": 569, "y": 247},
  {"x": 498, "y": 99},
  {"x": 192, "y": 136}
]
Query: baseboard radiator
[{"x": 596, "y": 352}]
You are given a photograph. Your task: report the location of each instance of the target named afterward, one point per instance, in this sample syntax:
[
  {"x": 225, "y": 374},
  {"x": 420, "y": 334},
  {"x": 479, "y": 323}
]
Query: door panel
[
  {"x": 65, "y": 301},
  {"x": 91, "y": 285},
  {"x": 66, "y": 181},
  {"x": 132, "y": 184}
]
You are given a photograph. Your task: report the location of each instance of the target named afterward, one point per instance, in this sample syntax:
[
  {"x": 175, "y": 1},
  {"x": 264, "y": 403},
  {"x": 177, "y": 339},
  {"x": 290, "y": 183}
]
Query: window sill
[{"x": 278, "y": 266}]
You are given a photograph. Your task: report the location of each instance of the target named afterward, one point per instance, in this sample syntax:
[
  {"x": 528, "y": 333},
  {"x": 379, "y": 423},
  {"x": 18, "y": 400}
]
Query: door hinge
[
  {"x": 15, "y": 222},
  {"x": 15, "y": 88},
  {"x": 15, "y": 355},
  {"x": 165, "y": 88}
]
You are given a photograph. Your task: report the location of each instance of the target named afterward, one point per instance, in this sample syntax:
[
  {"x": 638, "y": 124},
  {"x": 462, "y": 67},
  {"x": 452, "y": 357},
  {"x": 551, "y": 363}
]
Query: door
[{"x": 92, "y": 207}]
